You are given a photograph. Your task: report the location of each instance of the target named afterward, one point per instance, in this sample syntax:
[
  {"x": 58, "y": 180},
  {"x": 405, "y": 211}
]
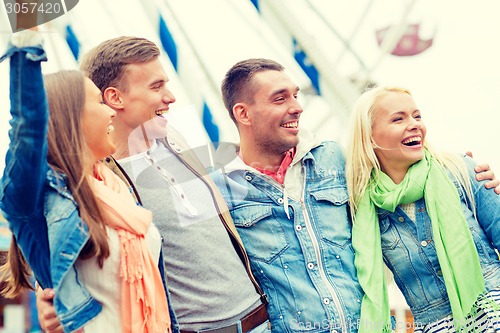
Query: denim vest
[
  {"x": 409, "y": 250},
  {"x": 34, "y": 199},
  {"x": 300, "y": 249}
]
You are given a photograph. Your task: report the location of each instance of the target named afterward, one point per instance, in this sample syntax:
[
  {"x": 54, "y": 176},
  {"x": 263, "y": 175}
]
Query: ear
[
  {"x": 112, "y": 97},
  {"x": 241, "y": 114}
]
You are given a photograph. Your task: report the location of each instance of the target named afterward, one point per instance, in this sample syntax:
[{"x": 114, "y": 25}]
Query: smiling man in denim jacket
[{"x": 288, "y": 198}]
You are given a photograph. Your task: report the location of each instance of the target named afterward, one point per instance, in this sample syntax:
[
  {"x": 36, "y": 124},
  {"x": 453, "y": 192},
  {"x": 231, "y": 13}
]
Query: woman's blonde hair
[
  {"x": 360, "y": 150},
  {"x": 68, "y": 154}
]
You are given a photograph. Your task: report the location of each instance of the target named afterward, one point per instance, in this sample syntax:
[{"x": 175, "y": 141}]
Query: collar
[
  {"x": 227, "y": 159},
  {"x": 279, "y": 175}
]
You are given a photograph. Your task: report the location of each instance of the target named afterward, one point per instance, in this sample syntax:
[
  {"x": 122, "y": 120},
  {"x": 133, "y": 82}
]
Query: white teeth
[
  {"x": 290, "y": 125},
  {"x": 160, "y": 112},
  {"x": 414, "y": 139},
  {"x": 111, "y": 128}
]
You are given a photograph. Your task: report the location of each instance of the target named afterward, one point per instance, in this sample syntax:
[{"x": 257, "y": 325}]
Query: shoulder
[
  {"x": 333, "y": 145},
  {"x": 330, "y": 149},
  {"x": 328, "y": 155},
  {"x": 461, "y": 162},
  {"x": 470, "y": 163}
]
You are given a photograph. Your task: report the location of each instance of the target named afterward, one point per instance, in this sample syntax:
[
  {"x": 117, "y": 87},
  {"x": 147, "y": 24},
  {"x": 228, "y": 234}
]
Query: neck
[
  {"x": 130, "y": 143},
  {"x": 397, "y": 174},
  {"x": 89, "y": 164},
  {"x": 260, "y": 158}
]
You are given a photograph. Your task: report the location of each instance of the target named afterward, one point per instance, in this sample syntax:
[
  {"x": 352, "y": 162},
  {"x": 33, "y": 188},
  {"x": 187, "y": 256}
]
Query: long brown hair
[{"x": 67, "y": 154}]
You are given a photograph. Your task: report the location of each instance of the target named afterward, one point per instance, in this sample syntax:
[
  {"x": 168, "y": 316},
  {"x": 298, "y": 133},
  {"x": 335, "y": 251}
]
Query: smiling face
[
  {"x": 398, "y": 132},
  {"x": 97, "y": 122},
  {"x": 274, "y": 112},
  {"x": 146, "y": 97}
]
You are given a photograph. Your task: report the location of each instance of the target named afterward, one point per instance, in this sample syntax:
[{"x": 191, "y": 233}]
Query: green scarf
[{"x": 455, "y": 247}]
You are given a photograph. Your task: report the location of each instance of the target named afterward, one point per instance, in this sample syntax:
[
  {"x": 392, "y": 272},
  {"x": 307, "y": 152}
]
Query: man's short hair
[
  {"x": 236, "y": 86},
  {"x": 105, "y": 64}
]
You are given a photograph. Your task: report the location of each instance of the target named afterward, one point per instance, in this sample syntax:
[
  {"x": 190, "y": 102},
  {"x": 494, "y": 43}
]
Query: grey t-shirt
[{"x": 208, "y": 283}]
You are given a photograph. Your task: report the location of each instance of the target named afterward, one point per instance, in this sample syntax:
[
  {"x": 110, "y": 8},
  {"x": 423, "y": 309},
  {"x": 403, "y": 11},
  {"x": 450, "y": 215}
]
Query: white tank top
[{"x": 104, "y": 284}]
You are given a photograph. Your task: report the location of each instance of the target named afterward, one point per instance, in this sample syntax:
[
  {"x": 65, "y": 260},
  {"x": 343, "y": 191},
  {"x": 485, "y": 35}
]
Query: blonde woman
[{"x": 422, "y": 214}]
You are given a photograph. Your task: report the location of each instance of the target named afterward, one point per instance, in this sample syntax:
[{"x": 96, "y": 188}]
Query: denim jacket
[
  {"x": 410, "y": 253},
  {"x": 299, "y": 245},
  {"x": 41, "y": 212}
]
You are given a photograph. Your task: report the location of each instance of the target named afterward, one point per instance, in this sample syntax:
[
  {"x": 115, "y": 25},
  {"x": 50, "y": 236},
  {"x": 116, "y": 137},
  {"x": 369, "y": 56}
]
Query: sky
[{"x": 456, "y": 82}]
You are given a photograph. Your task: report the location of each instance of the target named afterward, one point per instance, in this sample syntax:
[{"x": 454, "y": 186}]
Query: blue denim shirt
[
  {"x": 410, "y": 253},
  {"x": 42, "y": 214},
  {"x": 300, "y": 249}
]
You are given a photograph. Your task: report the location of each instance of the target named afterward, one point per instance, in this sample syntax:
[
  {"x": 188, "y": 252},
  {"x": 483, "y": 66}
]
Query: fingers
[
  {"x": 46, "y": 312},
  {"x": 492, "y": 184},
  {"x": 486, "y": 175},
  {"x": 52, "y": 326},
  {"x": 44, "y": 295},
  {"x": 495, "y": 183},
  {"x": 484, "y": 168}
]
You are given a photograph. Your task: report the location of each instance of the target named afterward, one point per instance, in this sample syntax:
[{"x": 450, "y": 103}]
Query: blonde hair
[
  {"x": 67, "y": 154},
  {"x": 360, "y": 149}
]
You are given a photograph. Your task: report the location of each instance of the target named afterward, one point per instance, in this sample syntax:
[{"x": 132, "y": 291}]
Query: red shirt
[{"x": 279, "y": 175}]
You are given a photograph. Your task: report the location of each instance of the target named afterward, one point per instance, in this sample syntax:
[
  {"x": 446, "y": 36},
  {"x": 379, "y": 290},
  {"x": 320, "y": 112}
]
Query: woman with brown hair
[{"x": 74, "y": 222}]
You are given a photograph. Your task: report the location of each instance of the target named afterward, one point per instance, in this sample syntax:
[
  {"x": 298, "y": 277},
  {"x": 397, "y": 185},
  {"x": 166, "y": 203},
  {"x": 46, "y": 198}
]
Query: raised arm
[
  {"x": 22, "y": 184},
  {"x": 25, "y": 162}
]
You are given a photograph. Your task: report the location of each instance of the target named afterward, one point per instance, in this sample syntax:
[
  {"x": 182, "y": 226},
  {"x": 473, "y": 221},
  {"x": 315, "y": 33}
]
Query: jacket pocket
[
  {"x": 388, "y": 234},
  {"x": 262, "y": 235},
  {"x": 331, "y": 215}
]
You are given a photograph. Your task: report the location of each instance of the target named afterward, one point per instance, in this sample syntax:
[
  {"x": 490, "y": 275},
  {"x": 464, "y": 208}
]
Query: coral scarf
[
  {"x": 455, "y": 247},
  {"x": 144, "y": 306}
]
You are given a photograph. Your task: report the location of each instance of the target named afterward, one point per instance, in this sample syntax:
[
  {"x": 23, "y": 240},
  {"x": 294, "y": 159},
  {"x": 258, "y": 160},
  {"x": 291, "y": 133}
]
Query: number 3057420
[{"x": 33, "y": 7}]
